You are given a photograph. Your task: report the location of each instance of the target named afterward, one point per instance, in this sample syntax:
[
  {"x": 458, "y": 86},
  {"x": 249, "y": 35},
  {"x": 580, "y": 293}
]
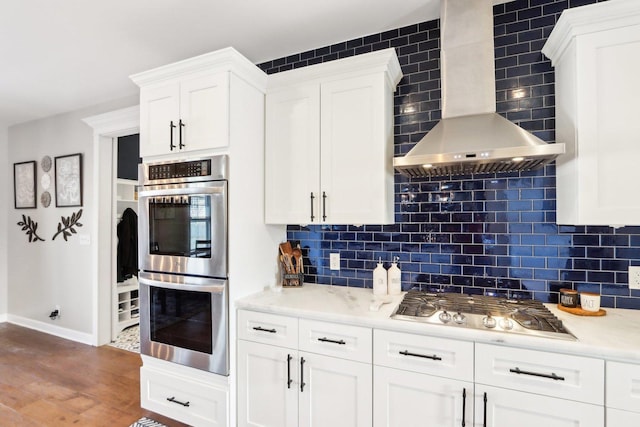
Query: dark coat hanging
[{"x": 127, "y": 258}]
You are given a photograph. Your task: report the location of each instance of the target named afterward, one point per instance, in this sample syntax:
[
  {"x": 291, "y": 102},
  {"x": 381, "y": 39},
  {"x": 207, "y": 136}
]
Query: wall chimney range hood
[{"x": 472, "y": 137}]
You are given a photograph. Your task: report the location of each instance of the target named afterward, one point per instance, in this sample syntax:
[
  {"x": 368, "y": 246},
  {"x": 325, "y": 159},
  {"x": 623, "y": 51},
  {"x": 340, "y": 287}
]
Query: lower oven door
[{"x": 184, "y": 320}]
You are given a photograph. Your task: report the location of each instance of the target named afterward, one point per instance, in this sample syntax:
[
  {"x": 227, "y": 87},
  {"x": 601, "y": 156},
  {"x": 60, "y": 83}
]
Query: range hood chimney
[{"x": 472, "y": 137}]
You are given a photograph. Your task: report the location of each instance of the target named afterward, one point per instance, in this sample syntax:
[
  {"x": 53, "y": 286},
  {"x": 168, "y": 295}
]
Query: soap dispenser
[
  {"x": 379, "y": 279},
  {"x": 393, "y": 278}
]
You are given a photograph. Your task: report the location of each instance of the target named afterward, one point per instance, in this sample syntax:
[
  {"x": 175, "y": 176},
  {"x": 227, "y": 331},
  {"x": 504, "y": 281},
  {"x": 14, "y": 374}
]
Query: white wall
[
  {"x": 5, "y": 196},
  {"x": 41, "y": 275}
]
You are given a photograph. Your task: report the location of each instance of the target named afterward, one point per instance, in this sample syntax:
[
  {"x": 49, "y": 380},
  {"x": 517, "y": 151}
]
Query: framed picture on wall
[
  {"x": 68, "y": 176},
  {"x": 24, "y": 185}
]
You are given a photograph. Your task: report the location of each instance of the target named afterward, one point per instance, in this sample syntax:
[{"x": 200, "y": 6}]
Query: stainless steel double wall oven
[{"x": 183, "y": 262}]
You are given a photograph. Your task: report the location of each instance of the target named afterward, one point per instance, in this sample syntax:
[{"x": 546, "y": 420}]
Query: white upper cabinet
[
  {"x": 329, "y": 142},
  {"x": 595, "y": 50},
  {"x": 186, "y": 106}
]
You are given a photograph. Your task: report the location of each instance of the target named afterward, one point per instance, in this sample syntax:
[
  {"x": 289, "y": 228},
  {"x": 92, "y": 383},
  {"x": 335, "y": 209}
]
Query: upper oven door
[{"x": 183, "y": 229}]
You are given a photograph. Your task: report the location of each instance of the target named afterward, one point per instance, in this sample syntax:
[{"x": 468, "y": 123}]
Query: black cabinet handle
[
  {"x": 289, "y": 380},
  {"x": 464, "y": 405},
  {"x": 324, "y": 206},
  {"x": 172, "y": 399},
  {"x": 552, "y": 376},
  {"x": 484, "y": 419},
  {"x": 312, "y": 215},
  {"x": 325, "y": 339},
  {"x": 424, "y": 356},
  {"x": 261, "y": 329},
  {"x": 171, "y": 127},
  {"x": 302, "y": 384},
  {"x": 180, "y": 144}
]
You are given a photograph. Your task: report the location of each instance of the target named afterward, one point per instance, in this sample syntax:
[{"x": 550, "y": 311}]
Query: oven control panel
[{"x": 196, "y": 168}]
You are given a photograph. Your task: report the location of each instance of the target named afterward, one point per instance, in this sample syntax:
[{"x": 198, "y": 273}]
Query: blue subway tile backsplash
[{"x": 482, "y": 234}]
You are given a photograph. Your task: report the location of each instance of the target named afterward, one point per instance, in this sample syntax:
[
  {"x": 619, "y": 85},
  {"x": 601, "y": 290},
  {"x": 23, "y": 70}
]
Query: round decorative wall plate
[
  {"x": 45, "y": 199},
  {"x": 45, "y": 181},
  {"x": 45, "y": 163}
]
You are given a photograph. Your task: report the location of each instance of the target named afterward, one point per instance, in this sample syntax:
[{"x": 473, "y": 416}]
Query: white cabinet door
[
  {"x": 508, "y": 408},
  {"x": 204, "y": 112},
  {"x": 292, "y": 156},
  {"x": 335, "y": 392},
  {"x": 267, "y": 385},
  {"x": 407, "y": 399},
  {"x": 159, "y": 113},
  {"x": 619, "y": 418},
  {"x": 356, "y": 151}
]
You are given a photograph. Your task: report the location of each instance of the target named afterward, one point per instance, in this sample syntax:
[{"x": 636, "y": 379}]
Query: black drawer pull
[
  {"x": 173, "y": 400},
  {"x": 302, "y": 383},
  {"x": 261, "y": 329},
  {"x": 325, "y": 339},
  {"x": 424, "y": 356},
  {"x": 552, "y": 376},
  {"x": 464, "y": 406}
]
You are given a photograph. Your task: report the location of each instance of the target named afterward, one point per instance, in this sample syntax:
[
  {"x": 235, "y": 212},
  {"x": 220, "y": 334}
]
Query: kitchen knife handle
[
  {"x": 180, "y": 144},
  {"x": 464, "y": 405},
  {"x": 324, "y": 206},
  {"x": 312, "y": 197},
  {"x": 289, "y": 380},
  {"x": 552, "y": 376},
  {"x": 424, "y": 356},
  {"x": 171, "y": 127},
  {"x": 302, "y": 384}
]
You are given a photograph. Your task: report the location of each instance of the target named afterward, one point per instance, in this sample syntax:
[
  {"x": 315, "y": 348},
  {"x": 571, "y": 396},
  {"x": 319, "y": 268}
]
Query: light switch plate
[
  {"x": 334, "y": 261},
  {"x": 634, "y": 277}
]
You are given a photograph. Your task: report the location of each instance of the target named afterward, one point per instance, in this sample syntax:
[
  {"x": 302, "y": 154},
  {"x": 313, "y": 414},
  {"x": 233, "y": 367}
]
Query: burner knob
[
  {"x": 506, "y": 324},
  {"x": 459, "y": 318},
  {"x": 488, "y": 321},
  {"x": 445, "y": 317}
]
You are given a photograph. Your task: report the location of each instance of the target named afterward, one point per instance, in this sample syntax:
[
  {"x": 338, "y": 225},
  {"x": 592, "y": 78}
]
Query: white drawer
[
  {"x": 190, "y": 401},
  {"x": 550, "y": 374},
  {"x": 268, "y": 328},
  {"x": 619, "y": 418},
  {"x": 333, "y": 339},
  {"x": 623, "y": 386},
  {"x": 428, "y": 355}
]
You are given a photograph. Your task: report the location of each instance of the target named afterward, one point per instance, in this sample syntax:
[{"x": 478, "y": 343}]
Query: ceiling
[{"x": 62, "y": 55}]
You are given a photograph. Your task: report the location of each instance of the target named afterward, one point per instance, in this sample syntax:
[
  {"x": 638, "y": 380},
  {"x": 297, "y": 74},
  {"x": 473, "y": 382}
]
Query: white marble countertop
[{"x": 615, "y": 336}]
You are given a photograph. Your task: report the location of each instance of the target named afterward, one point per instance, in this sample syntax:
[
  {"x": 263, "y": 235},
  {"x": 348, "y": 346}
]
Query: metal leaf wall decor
[
  {"x": 66, "y": 225},
  {"x": 30, "y": 228}
]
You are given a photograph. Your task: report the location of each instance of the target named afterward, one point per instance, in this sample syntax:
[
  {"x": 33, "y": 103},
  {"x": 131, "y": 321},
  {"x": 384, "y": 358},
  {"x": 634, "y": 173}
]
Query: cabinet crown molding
[
  {"x": 384, "y": 60},
  {"x": 227, "y": 59},
  {"x": 589, "y": 19}
]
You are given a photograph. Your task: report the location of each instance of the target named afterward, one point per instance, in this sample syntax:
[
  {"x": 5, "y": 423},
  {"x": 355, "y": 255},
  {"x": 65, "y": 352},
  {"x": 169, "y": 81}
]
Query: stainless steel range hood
[{"x": 472, "y": 137}]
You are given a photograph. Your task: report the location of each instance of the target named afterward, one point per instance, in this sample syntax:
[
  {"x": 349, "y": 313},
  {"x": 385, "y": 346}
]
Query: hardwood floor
[{"x": 50, "y": 381}]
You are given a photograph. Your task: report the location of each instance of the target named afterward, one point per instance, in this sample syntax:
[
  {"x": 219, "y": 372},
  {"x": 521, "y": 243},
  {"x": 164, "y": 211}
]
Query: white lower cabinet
[
  {"x": 191, "y": 396},
  {"x": 288, "y": 387},
  {"x": 530, "y": 388},
  {"x": 499, "y": 407},
  {"x": 267, "y": 385},
  {"x": 408, "y": 399},
  {"x": 623, "y": 394}
]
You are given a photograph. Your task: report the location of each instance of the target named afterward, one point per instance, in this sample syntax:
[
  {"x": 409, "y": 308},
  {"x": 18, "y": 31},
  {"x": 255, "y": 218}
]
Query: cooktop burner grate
[{"x": 529, "y": 317}]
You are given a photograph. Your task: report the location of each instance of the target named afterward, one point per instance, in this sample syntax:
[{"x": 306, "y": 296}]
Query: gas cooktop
[{"x": 516, "y": 316}]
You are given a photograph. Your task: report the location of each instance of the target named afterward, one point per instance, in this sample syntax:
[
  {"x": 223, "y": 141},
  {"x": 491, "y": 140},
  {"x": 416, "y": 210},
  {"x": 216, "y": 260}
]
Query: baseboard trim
[
  {"x": 3, "y": 318},
  {"x": 58, "y": 331}
]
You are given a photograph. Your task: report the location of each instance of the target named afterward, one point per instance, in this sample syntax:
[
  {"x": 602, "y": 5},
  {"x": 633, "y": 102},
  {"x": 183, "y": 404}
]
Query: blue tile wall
[{"x": 481, "y": 234}]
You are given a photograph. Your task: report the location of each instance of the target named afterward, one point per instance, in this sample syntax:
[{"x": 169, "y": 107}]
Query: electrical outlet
[
  {"x": 334, "y": 261},
  {"x": 634, "y": 277}
]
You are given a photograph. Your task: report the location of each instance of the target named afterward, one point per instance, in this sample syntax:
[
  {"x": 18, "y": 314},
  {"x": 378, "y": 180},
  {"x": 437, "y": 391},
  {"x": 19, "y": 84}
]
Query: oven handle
[
  {"x": 210, "y": 285},
  {"x": 214, "y": 187}
]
